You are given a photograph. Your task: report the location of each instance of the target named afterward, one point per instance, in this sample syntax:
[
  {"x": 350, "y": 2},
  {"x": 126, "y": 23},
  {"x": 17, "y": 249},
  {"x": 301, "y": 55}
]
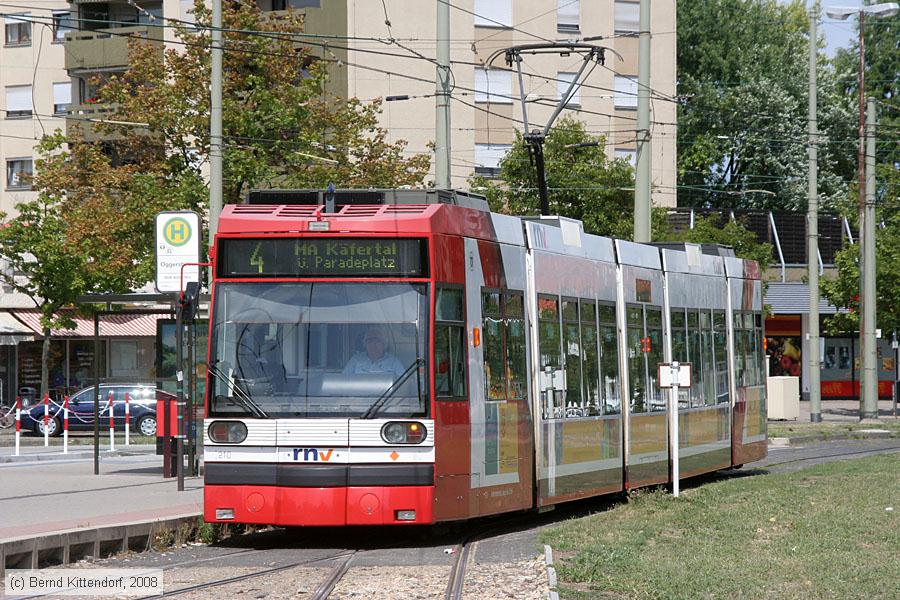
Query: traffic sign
[
  {"x": 674, "y": 374},
  {"x": 177, "y": 244}
]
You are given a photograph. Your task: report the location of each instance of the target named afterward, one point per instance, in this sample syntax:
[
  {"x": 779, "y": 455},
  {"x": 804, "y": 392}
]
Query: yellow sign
[{"x": 177, "y": 231}]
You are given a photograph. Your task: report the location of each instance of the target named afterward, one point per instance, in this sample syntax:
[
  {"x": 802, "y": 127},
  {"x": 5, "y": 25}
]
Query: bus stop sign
[{"x": 177, "y": 243}]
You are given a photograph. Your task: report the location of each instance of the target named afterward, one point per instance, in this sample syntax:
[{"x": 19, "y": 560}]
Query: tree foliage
[
  {"x": 91, "y": 227},
  {"x": 882, "y": 66},
  {"x": 727, "y": 232},
  {"x": 584, "y": 183},
  {"x": 742, "y": 75}
]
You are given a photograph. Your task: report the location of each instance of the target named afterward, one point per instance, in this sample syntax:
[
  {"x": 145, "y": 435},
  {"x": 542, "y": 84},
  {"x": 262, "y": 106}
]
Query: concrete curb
[
  {"x": 77, "y": 455},
  {"x": 551, "y": 573},
  {"x": 64, "y": 547},
  {"x": 861, "y": 434}
]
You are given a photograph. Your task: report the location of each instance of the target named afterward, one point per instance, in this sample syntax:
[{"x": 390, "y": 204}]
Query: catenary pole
[
  {"x": 642, "y": 172},
  {"x": 442, "y": 98},
  {"x": 215, "y": 123},
  {"x": 861, "y": 177},
  {"x": 870, "y": 371},
  {"x": 812, "y": 230}
]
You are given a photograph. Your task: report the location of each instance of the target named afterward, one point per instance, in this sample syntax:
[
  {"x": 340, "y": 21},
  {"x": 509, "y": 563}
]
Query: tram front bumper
[{"x": 292, "y": 506}]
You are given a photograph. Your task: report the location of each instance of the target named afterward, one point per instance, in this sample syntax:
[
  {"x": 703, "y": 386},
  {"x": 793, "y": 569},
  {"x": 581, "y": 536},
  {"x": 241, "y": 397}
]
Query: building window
[
  {"x": 493, "y": 85},
  {"x": 488, "y": 157},
  {"x": 62, "y": 97},
  {"x": 62, "y": 23},
  {"x": 18, "y": 174},
  {"x": 18, "y": 101},
  {"x": 630, "y": 156},
  {"x": 568, "y": 16},
  {"x": 626, "y": 89},
  {"x": 493, "y": 13},
  {"x": 627, "y": 16},
  {"x": 18, "y": 30},
  {"x": 563, "y": 81}
]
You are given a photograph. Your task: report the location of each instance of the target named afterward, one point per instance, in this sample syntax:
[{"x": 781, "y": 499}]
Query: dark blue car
[{"x": 142, "y": 410}]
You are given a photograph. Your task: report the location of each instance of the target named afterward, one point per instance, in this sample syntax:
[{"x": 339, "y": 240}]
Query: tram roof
[{"x": 393, "y": 219}]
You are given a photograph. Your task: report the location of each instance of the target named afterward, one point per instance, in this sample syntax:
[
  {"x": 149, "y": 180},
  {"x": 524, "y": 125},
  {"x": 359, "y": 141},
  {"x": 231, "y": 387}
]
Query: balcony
[{"x": 106, "y": 48}]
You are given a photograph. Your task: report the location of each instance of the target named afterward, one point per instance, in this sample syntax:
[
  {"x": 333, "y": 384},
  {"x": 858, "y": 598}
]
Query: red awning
[{"x": 110, "y": 325}]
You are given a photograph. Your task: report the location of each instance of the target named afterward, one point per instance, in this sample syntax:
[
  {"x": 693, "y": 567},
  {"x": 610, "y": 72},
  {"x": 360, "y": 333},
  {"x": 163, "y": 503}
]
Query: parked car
[{"x": 142, "y": 410}]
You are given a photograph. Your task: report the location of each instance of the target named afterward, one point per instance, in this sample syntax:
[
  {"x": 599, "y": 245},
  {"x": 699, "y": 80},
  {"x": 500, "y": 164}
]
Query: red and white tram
[{"x": 426, "y": 360}]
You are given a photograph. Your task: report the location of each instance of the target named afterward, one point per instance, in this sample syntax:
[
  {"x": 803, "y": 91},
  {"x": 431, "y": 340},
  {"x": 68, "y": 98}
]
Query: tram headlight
[
  {"x": 227, "y": 432},
  {"x": 403, "y": 432}
]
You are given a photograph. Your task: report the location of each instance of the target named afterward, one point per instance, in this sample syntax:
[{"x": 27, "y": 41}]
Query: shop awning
[
  {"x": 13, "y": 331},
  {"x": 793, "y": 299},
  {"x": 124, "y": 325}
]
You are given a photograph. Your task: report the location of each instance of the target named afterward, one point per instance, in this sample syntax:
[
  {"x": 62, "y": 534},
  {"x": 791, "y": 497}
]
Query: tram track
[
  {"x": 457, "y": 581},
  {"x": 858, "y": 453}
]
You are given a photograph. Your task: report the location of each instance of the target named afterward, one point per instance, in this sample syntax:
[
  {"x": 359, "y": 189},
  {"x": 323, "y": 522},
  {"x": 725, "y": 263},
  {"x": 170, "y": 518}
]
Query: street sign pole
[
  {"x": 673, "y": 427},
  {"x": 673, "y": 376}
]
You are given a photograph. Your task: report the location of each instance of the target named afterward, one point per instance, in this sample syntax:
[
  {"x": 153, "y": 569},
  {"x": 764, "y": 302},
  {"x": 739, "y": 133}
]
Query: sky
[{"x": 838, "y": 34}]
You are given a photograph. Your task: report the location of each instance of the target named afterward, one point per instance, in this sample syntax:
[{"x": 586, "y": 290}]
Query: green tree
[
  {"x": 727, "y": 232},
  {"x": 584, "y": 183},
  {"x": 742, "y": 125},
  {"x": 882, "y": 66},
  {"x": 91, "y": 228}
]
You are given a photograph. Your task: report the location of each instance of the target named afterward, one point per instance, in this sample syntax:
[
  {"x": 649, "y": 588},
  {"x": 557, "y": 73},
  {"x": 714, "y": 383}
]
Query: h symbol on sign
[{"x": 177, "y": 230}]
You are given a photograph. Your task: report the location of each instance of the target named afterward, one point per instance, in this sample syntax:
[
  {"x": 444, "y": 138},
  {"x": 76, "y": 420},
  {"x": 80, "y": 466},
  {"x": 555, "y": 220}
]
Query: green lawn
[{"x": 824, "y": 532}]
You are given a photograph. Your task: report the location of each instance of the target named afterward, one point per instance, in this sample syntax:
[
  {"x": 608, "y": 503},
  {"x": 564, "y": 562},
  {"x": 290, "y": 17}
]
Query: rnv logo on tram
[{"x": 312, "y": 454}]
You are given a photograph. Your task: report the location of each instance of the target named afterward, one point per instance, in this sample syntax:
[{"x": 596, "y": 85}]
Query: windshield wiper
[
  {"x": 388, "y": 393},
  {"x": 243, "y": 399}
]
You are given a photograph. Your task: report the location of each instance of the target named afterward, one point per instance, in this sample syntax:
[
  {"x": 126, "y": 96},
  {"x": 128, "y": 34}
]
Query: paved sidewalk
[
  {"x": 844, "y": 410},
  {"x": 45, "y": 497}
]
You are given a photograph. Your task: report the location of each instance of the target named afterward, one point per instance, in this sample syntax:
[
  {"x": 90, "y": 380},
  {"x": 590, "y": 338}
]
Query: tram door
[{"x": 648, "y": 450}]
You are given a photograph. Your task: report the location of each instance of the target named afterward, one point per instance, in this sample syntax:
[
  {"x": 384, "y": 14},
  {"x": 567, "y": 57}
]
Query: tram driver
[{"x": 375, "y": 358}]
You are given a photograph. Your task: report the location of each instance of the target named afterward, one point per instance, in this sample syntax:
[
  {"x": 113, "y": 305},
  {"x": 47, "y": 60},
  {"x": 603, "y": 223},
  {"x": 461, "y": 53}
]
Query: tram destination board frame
[{"x": 322, "y": 257}]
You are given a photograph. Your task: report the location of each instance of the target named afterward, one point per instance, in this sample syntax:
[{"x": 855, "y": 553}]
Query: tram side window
[
  {"x": 740, "y": 349},
  {"x": 706, "y": 358},
  {"x": 492, "y": 343},
  {"x": 609, "y": 360},
  {"x": 694, "y": 345},
  {"x": 449, "y": 344},
  {"x": 720, "y": 354},
  {"x": 654, "y": 357},
  {"x": 514, "y": 313},
  {"x": 680, "y": 350},
  {"x": 759, "y": 355},
  {"x": 573, "y": 357},
  {"x": 590, "y": 365},
  {"x": 637, "y": 368},
  {"x": 551, "y": 355}
]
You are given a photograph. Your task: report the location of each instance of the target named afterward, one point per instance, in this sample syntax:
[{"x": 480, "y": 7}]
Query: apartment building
[
  {"x": 485, "y": 111},
  {"x": 36, "y": 91}
]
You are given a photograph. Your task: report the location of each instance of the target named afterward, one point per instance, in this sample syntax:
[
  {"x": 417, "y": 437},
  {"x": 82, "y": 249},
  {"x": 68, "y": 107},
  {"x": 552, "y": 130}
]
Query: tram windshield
[{"x": 302, "y": 350}]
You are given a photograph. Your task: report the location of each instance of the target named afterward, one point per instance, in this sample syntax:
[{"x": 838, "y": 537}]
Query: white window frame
[
  {"x": 62, "y": 22},
  {"x": 626, "y": 16},
  {"x": 21, "y": 23},
  {"x": 11, "y": 174},
  {"x": 58, "y": 88},
  {"x": 493, "y": 86},
  {"x": 23, "y": 108},
  {"x": 493, "y": 13},
  {"x": 568, "y": 16},
  {"x": 488, "y": 158},
  {"x": 625, "y": 95},
  {"x": 563, "y": 80}
]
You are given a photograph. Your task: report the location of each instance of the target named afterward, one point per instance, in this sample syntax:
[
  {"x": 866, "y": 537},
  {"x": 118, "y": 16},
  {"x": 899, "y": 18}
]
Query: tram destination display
[{"x": 322, "y": 257}]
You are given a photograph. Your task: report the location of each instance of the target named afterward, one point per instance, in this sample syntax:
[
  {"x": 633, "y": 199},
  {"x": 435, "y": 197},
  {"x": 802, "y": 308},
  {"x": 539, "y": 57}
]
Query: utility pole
[
  {"x": 215, "y": 124},
  {"x": 812, "y": 230},
  {"x": 442, "y": 99},
  {"x": 642, "y": 172},
  {"x": 869, "y": 407}
]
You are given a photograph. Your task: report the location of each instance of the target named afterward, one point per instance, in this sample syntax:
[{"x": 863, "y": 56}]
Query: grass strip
[
  {"x": 795, "y": 429},
  {"x": 831, "y": 531}
]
